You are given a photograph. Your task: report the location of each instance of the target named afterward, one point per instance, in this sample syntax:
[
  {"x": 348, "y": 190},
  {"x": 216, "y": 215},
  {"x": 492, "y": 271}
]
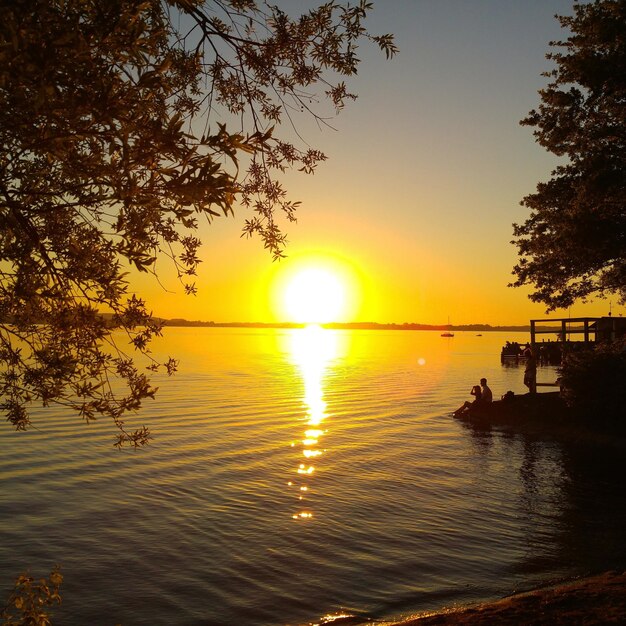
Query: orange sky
[{"x": 425, "y": 174}]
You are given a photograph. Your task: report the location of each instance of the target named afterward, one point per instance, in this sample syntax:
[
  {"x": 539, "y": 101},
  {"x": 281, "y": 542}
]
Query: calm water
[{"x": 298, "y": 473}]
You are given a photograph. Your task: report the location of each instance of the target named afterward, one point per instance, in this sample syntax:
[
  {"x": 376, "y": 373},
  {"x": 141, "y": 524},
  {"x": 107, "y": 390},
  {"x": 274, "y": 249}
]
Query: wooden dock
[
  {"x": 571, "y": 333},
  {"x": 592, "y": 329}
]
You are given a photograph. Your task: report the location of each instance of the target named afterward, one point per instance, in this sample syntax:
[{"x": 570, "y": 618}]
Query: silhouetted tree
[
  {"x": 110, "y": 152},
  {"x": 593, "y": 382},
  {"x": 574, "y": 243}
]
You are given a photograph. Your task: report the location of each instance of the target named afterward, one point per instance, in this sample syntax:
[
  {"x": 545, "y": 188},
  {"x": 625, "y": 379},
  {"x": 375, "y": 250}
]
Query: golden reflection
[
  {"x": 312, "y": 349},
  {"x": 313, "y": 433},
  {"x": 311, "y": 453}
]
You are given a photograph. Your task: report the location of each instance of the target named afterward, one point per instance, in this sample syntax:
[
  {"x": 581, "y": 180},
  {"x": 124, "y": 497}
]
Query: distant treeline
[
  {"x": 360, "y": 326},
  {"x": 339, "y": 326}
]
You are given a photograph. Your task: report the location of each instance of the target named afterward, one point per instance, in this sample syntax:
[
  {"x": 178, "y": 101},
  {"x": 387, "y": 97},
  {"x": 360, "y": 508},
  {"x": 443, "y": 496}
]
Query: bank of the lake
[
  {"x": 547, "y": 415},
  {"x": 591, "y": 601}
]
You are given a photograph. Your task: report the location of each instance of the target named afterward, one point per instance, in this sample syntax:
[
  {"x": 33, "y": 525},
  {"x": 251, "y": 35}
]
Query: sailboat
[{"x": 448, "y": 333}]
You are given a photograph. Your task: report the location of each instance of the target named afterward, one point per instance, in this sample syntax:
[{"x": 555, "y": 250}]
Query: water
[{"x": 300, "y": 473}]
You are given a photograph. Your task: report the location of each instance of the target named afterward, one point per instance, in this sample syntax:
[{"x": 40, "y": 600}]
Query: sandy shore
[{"x": 589, "y": 601}]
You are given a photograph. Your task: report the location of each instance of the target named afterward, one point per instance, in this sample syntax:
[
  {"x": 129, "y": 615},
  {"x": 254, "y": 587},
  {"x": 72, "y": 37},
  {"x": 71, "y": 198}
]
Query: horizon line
[{"x": 177, "y": 321}]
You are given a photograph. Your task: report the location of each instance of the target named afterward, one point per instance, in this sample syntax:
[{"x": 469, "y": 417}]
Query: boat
[{"x": 448, "y": 333}]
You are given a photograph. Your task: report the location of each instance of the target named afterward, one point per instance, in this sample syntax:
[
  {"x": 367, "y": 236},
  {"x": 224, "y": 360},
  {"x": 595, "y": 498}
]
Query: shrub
[
  {"x": 593, "y": 381},
  {"x": 29, "y": 601}
]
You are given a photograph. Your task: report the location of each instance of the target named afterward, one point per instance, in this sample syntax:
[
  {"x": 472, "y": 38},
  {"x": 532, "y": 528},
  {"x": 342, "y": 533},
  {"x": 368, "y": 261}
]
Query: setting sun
[
  {"x": 314, "y": 296},
  {"x": 315, "y": 288}
]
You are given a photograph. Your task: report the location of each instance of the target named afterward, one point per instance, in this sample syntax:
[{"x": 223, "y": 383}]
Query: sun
[
  {"x": 315, "y": 295},
  {"x": 315, "y": 287}
]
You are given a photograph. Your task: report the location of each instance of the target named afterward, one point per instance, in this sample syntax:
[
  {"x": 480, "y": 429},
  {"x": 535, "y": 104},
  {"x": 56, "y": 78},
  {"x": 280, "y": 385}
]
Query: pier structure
[
  {"x": 592, "y": 329},
  {"x": 587, "y": 326},
  {"x": 587, "y": 332},
  {"x": 571, "y": 334}
]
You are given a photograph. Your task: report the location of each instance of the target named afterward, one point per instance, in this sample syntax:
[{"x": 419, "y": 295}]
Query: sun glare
[
  {"x": 315, "y": 296},
  {"x": 315, "y": 292},
  {"x": 315, "y": 287}
]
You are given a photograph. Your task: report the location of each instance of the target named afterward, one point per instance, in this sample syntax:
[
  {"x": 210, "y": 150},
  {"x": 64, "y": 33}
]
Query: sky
[{"x": 413, "y": 210}]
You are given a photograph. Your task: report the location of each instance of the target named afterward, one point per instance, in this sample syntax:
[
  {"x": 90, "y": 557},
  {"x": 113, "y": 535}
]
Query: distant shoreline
[{"x": 178, "y": 322}]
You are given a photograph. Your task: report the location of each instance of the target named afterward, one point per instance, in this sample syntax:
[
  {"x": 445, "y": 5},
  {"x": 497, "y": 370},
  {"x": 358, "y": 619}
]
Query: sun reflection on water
[{"x": 312, "y": 349}]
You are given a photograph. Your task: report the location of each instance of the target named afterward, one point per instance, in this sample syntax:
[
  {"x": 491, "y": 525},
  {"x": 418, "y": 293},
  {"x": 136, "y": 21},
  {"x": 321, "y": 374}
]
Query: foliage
[
  {"x": 573, "y": 245},
  {"x": 29, "y": 602},
  {"x": 593, "y": 381},
  {"x": 110, "y": 153}
]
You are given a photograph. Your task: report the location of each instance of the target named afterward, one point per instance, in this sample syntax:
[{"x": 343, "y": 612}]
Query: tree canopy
[
  {"x": 122, "y": 123},
  {"x": 573, "y": 245}
]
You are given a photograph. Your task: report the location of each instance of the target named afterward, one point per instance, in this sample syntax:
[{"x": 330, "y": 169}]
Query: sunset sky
[{"x": 413, "y": 210}]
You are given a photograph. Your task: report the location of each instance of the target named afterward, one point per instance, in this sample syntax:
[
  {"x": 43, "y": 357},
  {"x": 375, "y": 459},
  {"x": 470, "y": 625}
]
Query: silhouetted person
[
  {"x": 486, "y": 396},
  {"x": 477, "y": 393},
  {"x": 530, "y": 372}
]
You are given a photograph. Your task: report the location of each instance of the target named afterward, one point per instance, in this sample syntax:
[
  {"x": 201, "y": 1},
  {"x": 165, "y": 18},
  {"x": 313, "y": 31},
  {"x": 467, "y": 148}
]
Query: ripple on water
[{"x": 405, "y": 509}]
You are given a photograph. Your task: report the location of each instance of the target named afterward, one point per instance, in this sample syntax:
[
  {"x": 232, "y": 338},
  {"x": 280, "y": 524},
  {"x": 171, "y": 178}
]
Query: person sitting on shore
[
  {"x": 466, "y": 406},
  {"x": 486, "y": 396}
]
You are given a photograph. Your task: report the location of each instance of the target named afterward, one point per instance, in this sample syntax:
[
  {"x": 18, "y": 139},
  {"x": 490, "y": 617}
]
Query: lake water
[{"x": 299, "y": 473}]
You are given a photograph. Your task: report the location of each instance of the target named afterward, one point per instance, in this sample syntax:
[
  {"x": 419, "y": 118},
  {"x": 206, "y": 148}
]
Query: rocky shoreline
[
  {"x": 591, "y": 601},
  {"x": 545, "y": 415}
]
